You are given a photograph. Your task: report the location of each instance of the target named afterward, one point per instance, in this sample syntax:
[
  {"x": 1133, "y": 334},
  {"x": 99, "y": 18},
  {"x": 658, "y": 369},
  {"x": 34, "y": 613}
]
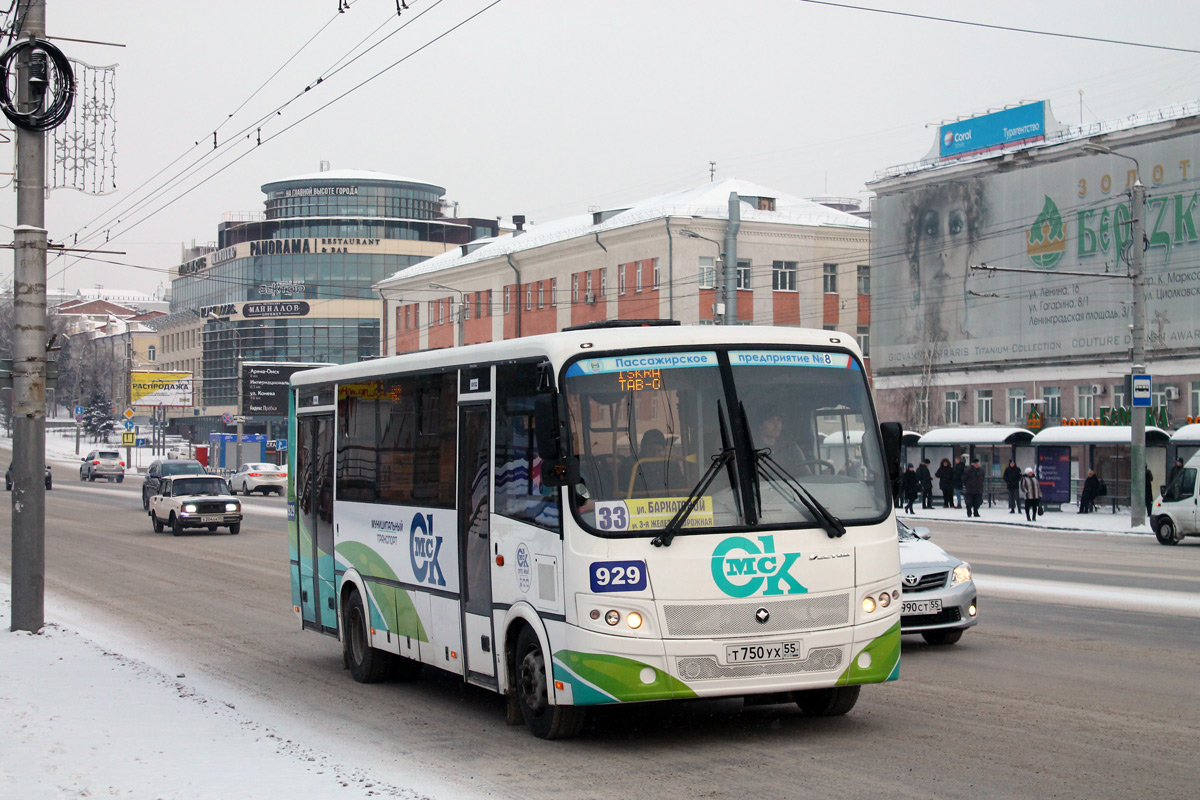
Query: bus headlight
[
  {"x": 962, "y": 573},
  {"x": 634, "y": 620},
  {"x": 612, "y": 617},
  {"x": 885, "y": 599},
  {"x": 869, "y": 604}
]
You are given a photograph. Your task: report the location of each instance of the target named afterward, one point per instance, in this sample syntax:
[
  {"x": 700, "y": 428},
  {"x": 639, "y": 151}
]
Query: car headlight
[
  {"x": 962, "y": 573},
  {"x": 231, "y": 506},
  {"x": 190, "y": 508}
]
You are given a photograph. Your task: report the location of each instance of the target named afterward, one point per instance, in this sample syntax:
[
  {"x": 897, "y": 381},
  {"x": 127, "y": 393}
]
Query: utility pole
[
  {"x": 1137, "y": 448},
  {"x": 240, "y": 419},
  {"x": 731, "y": 259},
  {"x": 29, "y": 348}
]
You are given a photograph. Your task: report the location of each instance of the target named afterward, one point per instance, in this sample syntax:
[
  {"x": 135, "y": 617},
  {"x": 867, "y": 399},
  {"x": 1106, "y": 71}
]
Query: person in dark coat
[
  {"x": 1149, "y": 491},
  {"x": 945, "y": 476},
  {"x": 973, "y": 487},
  {"x": 910, "y": 485},
  {"x": 960, "y": 470},
  {"x": 1012, "y": 482},
  {"x": 1176, "y": 468},
  {"x": 926, "y": 480},
  {"x": 1091, "y": 490}
]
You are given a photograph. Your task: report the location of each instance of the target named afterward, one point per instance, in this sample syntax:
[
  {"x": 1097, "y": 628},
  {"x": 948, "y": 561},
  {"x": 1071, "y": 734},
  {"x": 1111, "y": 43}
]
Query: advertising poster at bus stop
[{"x": 1054, "y": 473}]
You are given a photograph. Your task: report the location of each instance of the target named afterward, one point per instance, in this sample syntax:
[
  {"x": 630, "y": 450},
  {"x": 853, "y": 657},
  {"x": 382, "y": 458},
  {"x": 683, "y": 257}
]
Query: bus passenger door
[
  {"x": 474, "y": 539},
  {"x": 314, "y": 518}
]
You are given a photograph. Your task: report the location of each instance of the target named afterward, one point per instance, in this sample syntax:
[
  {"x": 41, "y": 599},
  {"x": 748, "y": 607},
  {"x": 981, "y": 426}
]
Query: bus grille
[
  {"x": 701, "y": 668},
  {"x": 738, "y": 619}
]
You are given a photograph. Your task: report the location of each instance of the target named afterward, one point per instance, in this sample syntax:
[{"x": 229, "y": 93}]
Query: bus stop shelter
[
  {"x": 994, "y": 445},
  {"x": 1104, "y": 448}
]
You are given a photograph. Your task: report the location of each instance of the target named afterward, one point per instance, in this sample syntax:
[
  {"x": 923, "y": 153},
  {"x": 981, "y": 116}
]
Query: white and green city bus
[{"x": 609, "y": 514}]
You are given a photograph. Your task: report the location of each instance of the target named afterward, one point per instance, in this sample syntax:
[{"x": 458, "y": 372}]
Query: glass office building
[{"x": 294, "y": 284}]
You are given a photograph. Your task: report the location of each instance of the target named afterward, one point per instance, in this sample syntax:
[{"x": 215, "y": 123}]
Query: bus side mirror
[
  {"x": 892, "y": 433},
  {"x": 543, "y": 427},
  {"x": 560, "y": 471}
]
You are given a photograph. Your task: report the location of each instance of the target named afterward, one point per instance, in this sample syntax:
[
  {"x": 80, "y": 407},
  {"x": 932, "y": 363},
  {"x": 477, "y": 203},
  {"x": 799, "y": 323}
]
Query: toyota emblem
[
  {"x": 762, "y": 615},
  {"x": 911, "y": 580}
]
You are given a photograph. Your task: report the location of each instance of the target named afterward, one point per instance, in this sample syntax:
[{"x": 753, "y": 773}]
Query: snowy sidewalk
[
  {"x": 84, "y": 721},
  {"x": 1069, "y": 518}
]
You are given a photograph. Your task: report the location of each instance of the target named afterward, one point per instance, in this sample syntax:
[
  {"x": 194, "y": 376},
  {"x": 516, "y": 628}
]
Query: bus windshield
[{"x": 650, "y": 429}]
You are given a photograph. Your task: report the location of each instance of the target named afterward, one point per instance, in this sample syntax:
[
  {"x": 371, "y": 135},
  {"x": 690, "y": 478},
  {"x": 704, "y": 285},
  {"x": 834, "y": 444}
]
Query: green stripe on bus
[
  {"x": 396, "y": 611},
  {"x": 601, "y": 678},
  {"x": 885, "y": 660}
]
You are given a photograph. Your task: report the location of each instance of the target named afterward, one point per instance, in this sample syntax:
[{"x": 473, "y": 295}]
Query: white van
[{"x": 1175, "y": 511}]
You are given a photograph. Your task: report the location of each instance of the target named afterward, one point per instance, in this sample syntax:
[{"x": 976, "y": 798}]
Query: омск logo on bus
[
  {"x": 742, "y": 566},
  {"x": 424, "y": 549}
]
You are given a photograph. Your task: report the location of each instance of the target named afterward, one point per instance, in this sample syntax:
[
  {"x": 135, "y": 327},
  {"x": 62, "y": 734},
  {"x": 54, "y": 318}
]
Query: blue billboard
[{"x": 1012, "y": 126}]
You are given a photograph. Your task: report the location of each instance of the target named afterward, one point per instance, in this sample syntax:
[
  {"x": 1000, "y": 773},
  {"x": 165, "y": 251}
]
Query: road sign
[
  {"x": 1141, "y": 391},
  {"x": 140, "y": 442},
  {"x": 128, "y": 439},
  {"x": 128, "y": 424},
  {"x": 227, "y": 419},
  {"x": 79, "y": 410},
  {"x": 79, "y": 417},
  {"x": 239, "y": 419},
  {"x": 129, "y": 413}
]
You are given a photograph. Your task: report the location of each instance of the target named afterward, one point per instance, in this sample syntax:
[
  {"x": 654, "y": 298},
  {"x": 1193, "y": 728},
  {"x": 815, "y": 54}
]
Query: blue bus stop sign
[{"x": 1141, "y": 391}]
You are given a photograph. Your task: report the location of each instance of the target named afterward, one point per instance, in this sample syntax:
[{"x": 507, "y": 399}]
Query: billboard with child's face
[{"x": 1072, "y": 215}]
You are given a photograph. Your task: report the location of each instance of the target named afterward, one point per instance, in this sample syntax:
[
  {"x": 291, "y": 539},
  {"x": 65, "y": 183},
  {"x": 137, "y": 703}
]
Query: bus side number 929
[{"x": 618, "y": 576}]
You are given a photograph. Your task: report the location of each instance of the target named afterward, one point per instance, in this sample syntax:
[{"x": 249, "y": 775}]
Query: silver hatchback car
[{"x": 939, "y": 600}]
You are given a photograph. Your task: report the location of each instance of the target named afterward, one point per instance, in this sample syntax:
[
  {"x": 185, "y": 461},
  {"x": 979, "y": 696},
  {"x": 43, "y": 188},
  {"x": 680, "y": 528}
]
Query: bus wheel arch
[
  {"x": 367, "y": 664},
  {"x": 532, "y": 673}
]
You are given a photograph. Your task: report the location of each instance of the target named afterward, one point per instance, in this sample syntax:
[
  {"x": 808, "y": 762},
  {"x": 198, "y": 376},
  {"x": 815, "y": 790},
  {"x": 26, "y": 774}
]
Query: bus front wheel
[
  {"x": 832, "y": 702},
  {"x": 544, "y": 720},
  {"x": 366, "y": 664}
]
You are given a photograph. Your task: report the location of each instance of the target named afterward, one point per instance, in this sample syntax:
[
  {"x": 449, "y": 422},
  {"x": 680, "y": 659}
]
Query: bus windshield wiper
[
  {"x": 771, "y": 468},
  {"x": 721, "y": 459}
]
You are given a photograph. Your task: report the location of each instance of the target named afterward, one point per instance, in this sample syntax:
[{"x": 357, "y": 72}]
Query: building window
[
  {"x": 621, "y": 278},
  {"x": 953, "y": 400},
  {"x": 637, "y": 286},
  {"x": 432, "y": 315},
  {"x": 528, "y": 296},
  {"x": 489, "y": 303},
  {"x": 864, "y": 279},
  {"x": 441, "y": 312},
  {"x": 466, "y": 307},
  {"x": 829, "y": 279},
  {"x": 554, "y": 291},
  {"x": 1158, "y": 397},
  {"x": 1118, "y": 395},
  {"x": 864, "y": 340},
  {"x": 1194, "y": 402},
  {"x": 478, "y": 305},
  {"x": 1016, "y": 406},
  {"x": 743, "y": 274},
  {"x": 506, "y": 288},
  {"x": 783, "y": 276},
  {"x": 151, "y": 353},
  {"x": 983, "y": 405},
  {"x": 708, "y": 272},
  {"x": 589, "y": 285},
  {"x": 604, "y": 283},
  {"x": 575, "y": 288},
  {"x": 1053, "y": 397},
  {"x": 656, "y": 276},
  {"x": 1085, "y": 402},
  {"x": 923, "y": 411},
  {"x": 541, "y": 294},
  {"x": 416, "y": 315}
]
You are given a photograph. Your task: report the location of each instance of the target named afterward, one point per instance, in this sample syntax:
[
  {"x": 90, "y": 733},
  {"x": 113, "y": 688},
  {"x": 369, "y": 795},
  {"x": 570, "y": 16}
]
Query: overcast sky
[{"x": 547, "y": 107}]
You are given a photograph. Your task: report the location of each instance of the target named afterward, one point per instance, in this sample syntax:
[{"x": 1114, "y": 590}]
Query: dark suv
[{"x": 164, "y": 467}]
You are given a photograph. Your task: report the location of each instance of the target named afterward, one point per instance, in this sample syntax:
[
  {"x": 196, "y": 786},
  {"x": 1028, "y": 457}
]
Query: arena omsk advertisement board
[
  {"x": 265, "y": 386},
  {"x": 172, "y": 389},
  {"x": 1060, "y": 209}
]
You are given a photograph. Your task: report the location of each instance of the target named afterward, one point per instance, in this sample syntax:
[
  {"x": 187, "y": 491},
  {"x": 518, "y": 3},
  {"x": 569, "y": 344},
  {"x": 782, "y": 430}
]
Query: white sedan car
[
  {"x": 194, "y": 501},
  {"x": 939, "y": 600},
  {"x": 259, "y": 477}
]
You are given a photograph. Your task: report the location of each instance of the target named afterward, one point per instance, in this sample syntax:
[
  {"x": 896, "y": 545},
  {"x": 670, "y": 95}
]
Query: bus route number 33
[{"x": 618, "y": 576}]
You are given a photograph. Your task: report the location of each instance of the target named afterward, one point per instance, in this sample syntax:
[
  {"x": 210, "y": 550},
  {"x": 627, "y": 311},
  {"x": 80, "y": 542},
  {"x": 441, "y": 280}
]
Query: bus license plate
[
  {"x": 762, "y": 653},
  {"x": 213, "y": 518},
  {"x": 920, "y": 606}
]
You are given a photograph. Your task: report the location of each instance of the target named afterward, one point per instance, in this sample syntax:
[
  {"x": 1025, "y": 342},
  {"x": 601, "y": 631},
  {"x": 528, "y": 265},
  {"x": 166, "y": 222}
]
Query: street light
[
  {"x": 461, "y": 310},
  {"x": 719, "y": 311},
  {"x": 1137, "y": 447}
]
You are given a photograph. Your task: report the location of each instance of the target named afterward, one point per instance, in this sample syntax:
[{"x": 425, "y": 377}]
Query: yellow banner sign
[{"x": 160, "y": 389}]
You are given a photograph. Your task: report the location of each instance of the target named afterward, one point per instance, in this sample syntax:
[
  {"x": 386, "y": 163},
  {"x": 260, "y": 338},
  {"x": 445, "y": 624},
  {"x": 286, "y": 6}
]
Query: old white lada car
[{"x": 194, "y": 501}]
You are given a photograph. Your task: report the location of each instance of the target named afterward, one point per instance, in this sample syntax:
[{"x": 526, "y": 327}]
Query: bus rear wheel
[
  {"x": 544, "y": 720},
  {"x": 832, "y": 702},
  {"x": 366, "y": 664}
]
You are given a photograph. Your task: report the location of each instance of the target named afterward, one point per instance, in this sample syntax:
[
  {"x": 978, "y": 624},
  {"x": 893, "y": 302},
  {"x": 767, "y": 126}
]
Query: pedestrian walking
[
  {"x": 1012, "y": 482},
  {"x": 926, "y": 480},
  {"x": 945, "y": 476},
  {"x": 973, "y": 487},
  {"x": 1031, "y": 490},
  {"x": 910, "y": 485},
  {"x": 1149, "y": 491},
  {"x": 960, "y": 470},
  {"x": 1091, "y": 490}
]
